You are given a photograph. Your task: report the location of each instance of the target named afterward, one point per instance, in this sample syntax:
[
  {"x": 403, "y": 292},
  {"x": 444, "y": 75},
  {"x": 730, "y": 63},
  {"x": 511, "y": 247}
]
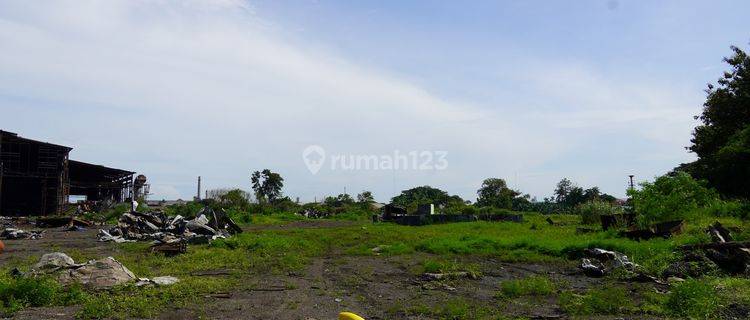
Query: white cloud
[{"x": 187, "y": 88}]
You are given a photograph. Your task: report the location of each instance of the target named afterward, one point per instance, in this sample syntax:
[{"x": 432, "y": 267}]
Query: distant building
[{"x": 36, "y": 178}]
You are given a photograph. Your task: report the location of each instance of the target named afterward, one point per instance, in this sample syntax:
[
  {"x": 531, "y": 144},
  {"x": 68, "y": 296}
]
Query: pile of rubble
[
  {"x": 95, "y": 274},
  {"x": 16, "y": 234},
  {"x": 599, "y": 262},
  {"x": 6, "y": 222},
  {"x": 723, "y": 253},
  {"x": 313, "y": 213},
  {"x": 156, "y": 226}
]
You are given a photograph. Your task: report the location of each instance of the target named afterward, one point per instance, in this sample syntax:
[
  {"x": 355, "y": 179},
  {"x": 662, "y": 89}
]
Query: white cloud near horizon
[{"x": 177, "y": 89}]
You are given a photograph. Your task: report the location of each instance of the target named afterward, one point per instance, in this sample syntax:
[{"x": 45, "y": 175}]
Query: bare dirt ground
[
  {"x": 55, "y": 239},
  {"x": 374, "y": 287}
]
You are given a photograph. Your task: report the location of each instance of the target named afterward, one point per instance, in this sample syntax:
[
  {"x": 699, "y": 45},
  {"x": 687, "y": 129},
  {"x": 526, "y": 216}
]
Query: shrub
[
  {"x": 591, "y": 211},
  {"x": 731, "y": 208},
  {"x": 671, "y": 198},
  {"x": 469, "y": 210}
]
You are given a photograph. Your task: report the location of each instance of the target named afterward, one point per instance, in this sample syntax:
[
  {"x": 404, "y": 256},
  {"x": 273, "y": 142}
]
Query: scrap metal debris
[
  {"x": 16, "y": 234},
  {"x": 157, "y": 226}
]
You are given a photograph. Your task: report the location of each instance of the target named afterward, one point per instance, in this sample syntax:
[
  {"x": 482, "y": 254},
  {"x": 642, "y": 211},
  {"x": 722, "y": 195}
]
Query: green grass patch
[
  {"x": 530, "y": 286},
  {"x": 448, "y": 266},
  {"x": 609, "y": 300},
  {"x": 695, "y": 299}
]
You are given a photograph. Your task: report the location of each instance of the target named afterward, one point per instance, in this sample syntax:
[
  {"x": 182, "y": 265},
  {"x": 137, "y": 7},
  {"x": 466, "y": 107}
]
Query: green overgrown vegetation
[
  {"x": 591, "y": 211},
  {"x": 17, "y": 293}
]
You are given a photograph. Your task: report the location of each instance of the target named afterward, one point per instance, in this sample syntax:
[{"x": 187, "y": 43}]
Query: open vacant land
[{"x": 303, "y": 269}]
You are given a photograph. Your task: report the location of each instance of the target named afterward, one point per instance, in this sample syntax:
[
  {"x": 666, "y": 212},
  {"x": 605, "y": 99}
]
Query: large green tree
[
  {"x": 267, "y": 185},
  {"x": 495, "y": 193},
  {"x": 424, "y": 195},
  {"x": 569, "y": 195},
  {"x": 722, "y": 141}
]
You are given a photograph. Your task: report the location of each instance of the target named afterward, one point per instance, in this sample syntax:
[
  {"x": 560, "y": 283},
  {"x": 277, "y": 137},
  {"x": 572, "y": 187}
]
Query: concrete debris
[
  {"x": 592, "y": 268},
  {"x": 98, "y": 274},
  {"x": 159, "y": 281},
  {"x": 54, "y": 261},
  {"x": 104, "y": 236},
  {"x": 16, "y": 234},
  {"x": 659, "y": 230},
  {"x": 165, "y": 280},
  {"x": 732, "y": 257},
  {"x": 312, "y": 213},
  {"x": 95, "y": 274},
  {"x": 599, "y": 262},
  {"x": 158, "y": 227}
]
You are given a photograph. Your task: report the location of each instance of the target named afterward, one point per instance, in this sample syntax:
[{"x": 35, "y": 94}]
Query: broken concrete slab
[
  {"x": 54, "y": 261},
  {"x": 165, "y": 280},
  {"x": 95, "y": 274},
  {"x": 98, "y": 274},
  {"x": 159, "y": 281}
]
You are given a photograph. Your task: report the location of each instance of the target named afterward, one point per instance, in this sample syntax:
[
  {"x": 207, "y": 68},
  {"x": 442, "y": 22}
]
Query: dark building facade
[{"x": 37, "y": 177}]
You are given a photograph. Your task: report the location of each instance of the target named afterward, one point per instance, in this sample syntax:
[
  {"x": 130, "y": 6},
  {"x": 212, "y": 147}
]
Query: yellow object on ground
[{"x": 349, "y": 316}]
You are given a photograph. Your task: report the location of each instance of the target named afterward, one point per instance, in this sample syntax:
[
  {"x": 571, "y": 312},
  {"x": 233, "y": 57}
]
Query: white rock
[{"x": 54, "y": 260}]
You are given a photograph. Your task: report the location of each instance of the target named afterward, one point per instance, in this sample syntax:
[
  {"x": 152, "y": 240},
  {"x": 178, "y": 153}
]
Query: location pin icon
[{"x": 314, "y": 156}]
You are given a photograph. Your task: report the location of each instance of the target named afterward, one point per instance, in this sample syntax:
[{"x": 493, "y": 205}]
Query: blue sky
[{"x": 529, "y": 91}]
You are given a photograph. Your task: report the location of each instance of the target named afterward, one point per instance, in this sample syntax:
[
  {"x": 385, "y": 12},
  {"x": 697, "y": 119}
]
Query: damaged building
[{"x": 37, "y": 178}]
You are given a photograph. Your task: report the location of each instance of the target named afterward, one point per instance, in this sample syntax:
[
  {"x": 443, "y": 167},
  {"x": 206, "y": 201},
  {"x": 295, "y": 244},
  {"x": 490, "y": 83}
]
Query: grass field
[{"x": 283, "y": 247}]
